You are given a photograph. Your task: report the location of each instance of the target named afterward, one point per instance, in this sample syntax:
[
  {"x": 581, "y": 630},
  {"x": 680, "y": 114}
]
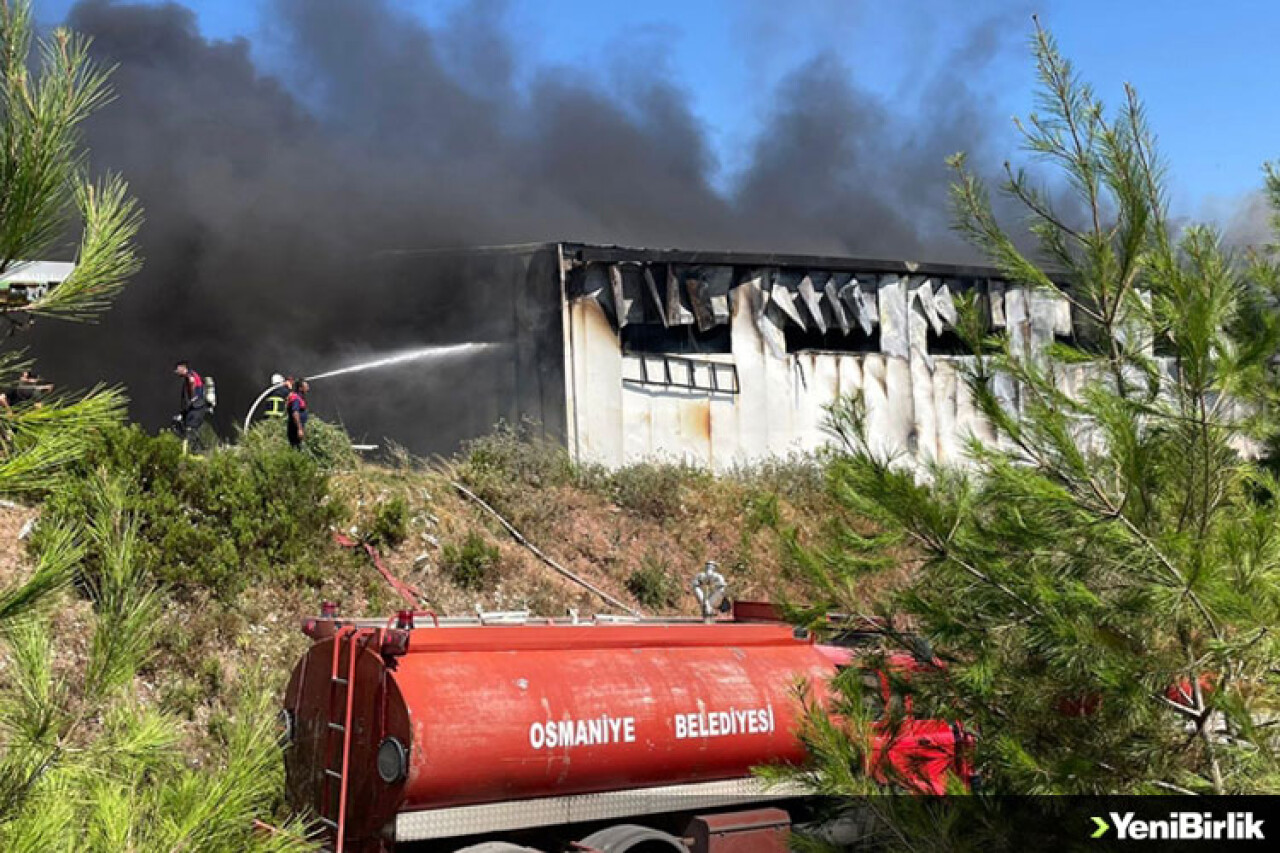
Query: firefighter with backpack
[{"x": 199, "y": 398}]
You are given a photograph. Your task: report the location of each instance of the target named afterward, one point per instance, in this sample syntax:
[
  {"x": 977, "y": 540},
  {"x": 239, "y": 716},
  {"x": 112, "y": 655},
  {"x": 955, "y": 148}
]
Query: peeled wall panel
[
  {"x": 923, "y": 436},
  {"x": 1017, "y": 319},
  {"x": 812, "y": 302},
  {"x": 818, "y": 376},
  {"x": 850, "y": 374},
  {"x": 782, "y": 392},
  {"x": 725, "y": 449},
  {"x": 969, "y": 421},
  {"x": 1042, "y": 308},
  {"x": 831, "y": 290},
  {"x": 597, "y": 384},
  {"x": 900, "y": 417},
  {"x": 945, "y": 408},
  {"x": 752, "y": 404},
  {"x": 880, "y": 420},
  {"x": 892, "y": 304}
]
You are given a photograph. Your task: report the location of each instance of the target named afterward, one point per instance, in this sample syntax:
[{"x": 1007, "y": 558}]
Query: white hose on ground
[{"x": 519, "y": 537}]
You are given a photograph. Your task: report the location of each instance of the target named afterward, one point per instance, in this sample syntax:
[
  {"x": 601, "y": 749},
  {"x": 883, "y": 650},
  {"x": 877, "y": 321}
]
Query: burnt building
[
  {"x": 25, "y": 282},
  {"x": 725, "y": 358}
]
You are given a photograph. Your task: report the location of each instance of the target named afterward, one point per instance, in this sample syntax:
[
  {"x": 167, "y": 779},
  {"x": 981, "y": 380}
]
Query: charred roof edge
[
  {"x": 608, "y": 253},
  {"x": 588, "y": 252}
]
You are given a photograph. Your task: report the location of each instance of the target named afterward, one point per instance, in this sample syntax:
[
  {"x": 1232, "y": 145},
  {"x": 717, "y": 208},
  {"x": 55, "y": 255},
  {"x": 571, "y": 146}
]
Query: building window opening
[
  {"x": 1162, "y": 345},
  {"x": 1086, "y": 334},
  {"x": 946, "y": 342},
  {"x": 811, "y": 339},
  {"x": 656, "y": 339}
]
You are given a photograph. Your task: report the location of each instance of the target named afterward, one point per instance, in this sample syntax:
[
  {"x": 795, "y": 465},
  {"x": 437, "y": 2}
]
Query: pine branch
[
  {"x": 42, "y": 162},
  {"x": 106, "y": 259}
]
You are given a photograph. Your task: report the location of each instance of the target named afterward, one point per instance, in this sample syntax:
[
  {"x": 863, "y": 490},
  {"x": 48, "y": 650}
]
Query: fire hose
[
  {"x": 408, "y": 592},
  {"x": 519, "y": 537}
]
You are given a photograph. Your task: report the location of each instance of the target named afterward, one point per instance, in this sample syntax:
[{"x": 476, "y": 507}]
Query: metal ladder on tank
[{"x": 338, "y": 733}]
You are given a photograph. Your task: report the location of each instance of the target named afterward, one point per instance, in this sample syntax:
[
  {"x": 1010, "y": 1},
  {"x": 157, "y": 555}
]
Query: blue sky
[{"x": 1209, "y": 73}]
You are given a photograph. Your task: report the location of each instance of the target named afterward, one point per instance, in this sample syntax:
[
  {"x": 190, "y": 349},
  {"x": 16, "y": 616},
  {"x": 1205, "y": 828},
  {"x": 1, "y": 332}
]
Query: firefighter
[
  {"x": 279, "y": 396},
  {"x": 194, "y": 406},
  {"x": 296, "y": 409},
  {"x": 30, "y": 387}
]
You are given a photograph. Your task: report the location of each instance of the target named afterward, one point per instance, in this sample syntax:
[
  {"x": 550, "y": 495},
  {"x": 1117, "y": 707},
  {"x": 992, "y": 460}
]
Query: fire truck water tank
[{"x": 443, "y": 717}]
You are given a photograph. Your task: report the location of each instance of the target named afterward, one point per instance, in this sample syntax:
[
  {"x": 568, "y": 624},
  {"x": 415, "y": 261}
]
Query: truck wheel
[
  {"x": 629, "y": 838},
  {"x": 496, "y": 847}
]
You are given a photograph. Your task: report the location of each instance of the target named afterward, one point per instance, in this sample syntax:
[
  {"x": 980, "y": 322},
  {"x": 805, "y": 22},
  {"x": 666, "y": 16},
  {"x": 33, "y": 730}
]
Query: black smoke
[{"x": 267, "y": 194}]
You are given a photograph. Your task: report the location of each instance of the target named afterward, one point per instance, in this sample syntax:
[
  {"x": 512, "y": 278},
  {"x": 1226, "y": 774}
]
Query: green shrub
[
  {"x": 473, "y": 564},
  {"x": 504, "y": 465},
  {"x": 656, "y": 490},
  {"x": 390, "y": 525},
  {"x": 760, "y": 510},
  {"x": 327, "y": 444},
  {"x": 653, "y": 584},
  {"x": 222, "y": 521},
  {"x": 798, "y": 477}
]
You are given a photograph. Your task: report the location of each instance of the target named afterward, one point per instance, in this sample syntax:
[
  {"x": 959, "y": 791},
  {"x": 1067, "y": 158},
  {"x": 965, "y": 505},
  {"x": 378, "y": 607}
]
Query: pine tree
[
  {"x": 45, "y": 195},
  {"x": 1103, "y": 583},
  {"x": 1273, "y": 192},
  {"x": 84, "y": 765},
  {"x": 1265, "y": 260}
]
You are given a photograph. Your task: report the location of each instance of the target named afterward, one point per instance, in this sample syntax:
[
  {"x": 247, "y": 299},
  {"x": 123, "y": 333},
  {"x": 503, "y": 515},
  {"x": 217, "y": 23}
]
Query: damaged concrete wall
[{"x": 725, "y": 364}]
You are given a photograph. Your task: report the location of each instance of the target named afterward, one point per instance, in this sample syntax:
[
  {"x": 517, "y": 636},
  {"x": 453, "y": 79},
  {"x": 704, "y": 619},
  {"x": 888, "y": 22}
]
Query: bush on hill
[{"x": 222, "y": 521}]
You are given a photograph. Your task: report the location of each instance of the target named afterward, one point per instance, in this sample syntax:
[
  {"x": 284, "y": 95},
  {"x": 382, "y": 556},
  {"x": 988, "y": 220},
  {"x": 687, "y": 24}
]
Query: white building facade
[
  {"x": 725, "y": 359},
  {"x": 720, "y": 359}
]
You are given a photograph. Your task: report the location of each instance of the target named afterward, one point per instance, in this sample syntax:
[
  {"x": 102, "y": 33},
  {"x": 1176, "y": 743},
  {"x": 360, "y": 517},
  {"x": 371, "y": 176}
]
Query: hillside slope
[
  {"x": 639, "y": 534},
  {"x": 240, "y": 545}
]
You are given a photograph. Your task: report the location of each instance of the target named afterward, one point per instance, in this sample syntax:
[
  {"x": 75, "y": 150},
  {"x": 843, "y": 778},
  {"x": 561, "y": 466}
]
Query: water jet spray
[{"x": 432, "y": 352}]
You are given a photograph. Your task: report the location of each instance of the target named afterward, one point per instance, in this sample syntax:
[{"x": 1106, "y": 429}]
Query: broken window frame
[
  {"x": 834, "y": 341},
  {"x": 655, "y": 338},
  {"x": 947, "y": 344},
  {"x": 682, "y": 373}
]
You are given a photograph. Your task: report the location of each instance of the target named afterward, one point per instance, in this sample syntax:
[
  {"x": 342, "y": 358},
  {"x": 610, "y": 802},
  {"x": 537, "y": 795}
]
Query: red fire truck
[{"x": 516, "y": 734}]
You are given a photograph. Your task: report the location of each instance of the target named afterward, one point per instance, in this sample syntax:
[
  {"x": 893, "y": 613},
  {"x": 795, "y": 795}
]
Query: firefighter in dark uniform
[
  {"x": 194, "y": 405},
  {"x": 296, "y": 409}
]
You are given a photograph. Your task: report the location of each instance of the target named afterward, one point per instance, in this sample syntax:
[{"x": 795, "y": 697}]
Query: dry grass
[{"x": 734, "y": 521}]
